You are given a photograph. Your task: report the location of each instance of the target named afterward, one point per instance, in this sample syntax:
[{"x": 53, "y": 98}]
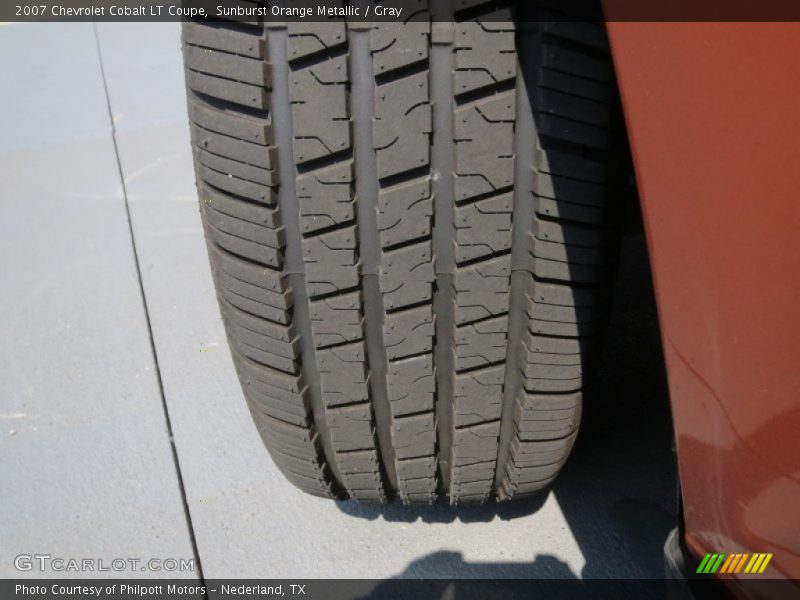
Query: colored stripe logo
[{"x": 713, "y": 563}]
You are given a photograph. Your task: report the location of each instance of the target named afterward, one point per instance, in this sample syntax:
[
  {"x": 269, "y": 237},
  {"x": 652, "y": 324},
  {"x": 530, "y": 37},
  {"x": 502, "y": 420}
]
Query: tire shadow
[{"x": 442, "y": 512}]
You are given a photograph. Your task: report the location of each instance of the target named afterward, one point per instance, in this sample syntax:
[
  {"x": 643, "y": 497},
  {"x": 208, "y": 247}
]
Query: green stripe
[
  {"x": 703, "y": 563},
  {"x": 718, "y": 563},
  {"x": 710, "y": 563}
]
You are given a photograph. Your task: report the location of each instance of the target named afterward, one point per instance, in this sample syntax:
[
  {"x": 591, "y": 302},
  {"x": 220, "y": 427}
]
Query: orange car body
[{"x": 713, "y": 115}]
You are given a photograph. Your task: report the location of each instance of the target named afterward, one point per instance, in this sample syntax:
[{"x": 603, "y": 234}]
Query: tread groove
[
  {"x": 361, "y": 97},
  {"x": 287, "y": 199},
  {"x": 522, "y": 213},
  {"x": 229, "y": 106},
  {"x": 474, "y": 96},
  {"x": 442, "y": 65}
]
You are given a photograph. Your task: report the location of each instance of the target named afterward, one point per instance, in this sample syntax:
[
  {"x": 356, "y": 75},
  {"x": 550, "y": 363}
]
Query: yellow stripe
[
  {"x": 751, "y": 563},
  {"x": 757, "y": 564},
  {"x": 765, "y": 563},
  {"x": 727, "y": 563},
  {"x": 739, "y": 566}
]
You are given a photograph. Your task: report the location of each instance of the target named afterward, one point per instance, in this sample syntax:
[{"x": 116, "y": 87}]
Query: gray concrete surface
[
  {"x": 85, "y": 459},
  {"x": 88, "y": 469}
]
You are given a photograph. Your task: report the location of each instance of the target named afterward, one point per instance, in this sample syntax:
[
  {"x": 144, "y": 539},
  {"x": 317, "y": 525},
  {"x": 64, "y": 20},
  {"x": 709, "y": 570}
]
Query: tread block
[
  {"x": 251, "y": 274},
  {"x": 485, "y": 51},
  {"x": 478, "y": 397},
  {"x": 337, "y": 319},
  {"x": 342, "y": 374},
  {"x": 272, "y": 238},
  {"x": 409, "y": 263},
  {"x": 578, "y": 31},
  {"x": 256, "y": 131},
  {"x": 474, "y": 458},
  {"x": 306, "y": 37},
  {"x": 405, "y": 211},
  {"x": 254, "y": 307},
  {"x": 572, "y": 107},
  {"x": 326, "y": 197},
  {"x": 558, "y": 163},
  {"x": 573, "y": 132},
  {"x": 229, "y": 205},
  {"x": 483, "y": 227},
  {"x": 331, "y": 262},
  {"x": 287, "y": 348},
  {"x": 253, "y": 292},
  {"x": 238, "y": 169},
  {"x": 574, "y": 238},
  {"x": 416, "y": 468},
  {"x": 259, "y": 355},
  {"x": 228, "y": 66},
  {"x": 563, "y": 271},
  {"x": 475, "y": 444},
  {"x": 484, "y": 134},
  {"x": 264, "y": 384},
  {"x": 402, "y": 125},
  {"x": 289, "y": 388},
  {"x": 408, "y": 332},
  {"x": 577, "y": 63},
  {"x": 242, "y": 247},
  {"x": 548, "y": 293},
  {"x": 285, "y": 443},
  {"x": 398, "y": 293},
  {"x": 320, "y": 114},
  {"x": 276, "y": 409},
  {"x": 351, "y": 428},
  {"x": 543, "y": 452},
  {"x": 395, "y": 47},
  {"x": 238, "y": 187},
  {"x": 414, "y": 436},
  {"x": 411, "y": 385},
  {"x": 482, "y": 289},
  {"x": 248, "y": 95},
  {"x": 406, "y": 274},
  {"x": 575, "y": 85},
  {"x": 221, "y": 38},
  {"x": 589, "y": 215},
  {"x": 565, "y": 314},
  {"x": 481, "y": 344},
  {"x": 233, "y": 148}
]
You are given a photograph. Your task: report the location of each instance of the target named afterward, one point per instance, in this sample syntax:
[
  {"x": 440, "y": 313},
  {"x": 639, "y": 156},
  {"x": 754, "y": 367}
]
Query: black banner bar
[
  {"x": 365, "y": 589},
  {"x": 395, "y": 10}
]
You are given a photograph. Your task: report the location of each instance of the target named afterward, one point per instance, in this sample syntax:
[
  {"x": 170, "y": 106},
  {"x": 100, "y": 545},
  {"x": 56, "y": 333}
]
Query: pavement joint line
[{"x": 154, "y": 353}]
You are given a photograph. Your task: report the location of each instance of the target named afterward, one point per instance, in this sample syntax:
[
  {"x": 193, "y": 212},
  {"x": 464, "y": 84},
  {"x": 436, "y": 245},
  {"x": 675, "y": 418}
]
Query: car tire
[{"x": 413, "y": 232}]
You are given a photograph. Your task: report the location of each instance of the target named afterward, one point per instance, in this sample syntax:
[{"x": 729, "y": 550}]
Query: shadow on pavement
[{"x": 546, "y": 577}]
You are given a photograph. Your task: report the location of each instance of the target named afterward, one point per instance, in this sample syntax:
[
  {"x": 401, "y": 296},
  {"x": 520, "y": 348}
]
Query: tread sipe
[{"x": 413, "y": 232}]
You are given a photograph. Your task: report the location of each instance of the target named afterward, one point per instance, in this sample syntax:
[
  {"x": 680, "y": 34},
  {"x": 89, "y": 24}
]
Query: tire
[{"x": 413, "y": 233}]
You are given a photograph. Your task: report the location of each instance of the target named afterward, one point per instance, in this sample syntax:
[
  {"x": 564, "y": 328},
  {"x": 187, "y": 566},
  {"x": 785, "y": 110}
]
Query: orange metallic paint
[{"x": 713, "y": 114}]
